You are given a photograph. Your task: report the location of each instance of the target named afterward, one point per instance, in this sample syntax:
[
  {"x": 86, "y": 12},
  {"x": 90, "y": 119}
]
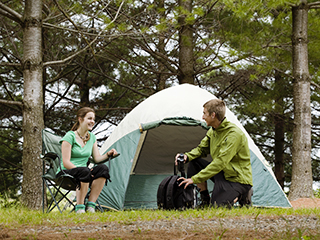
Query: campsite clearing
[{"x": 301, "y": 222}]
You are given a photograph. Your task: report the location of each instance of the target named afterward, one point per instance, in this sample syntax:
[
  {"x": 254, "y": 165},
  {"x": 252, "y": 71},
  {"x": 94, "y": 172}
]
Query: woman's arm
[
  {"x": 66, "y": 155},
  {"x": 98, "y": 157}
]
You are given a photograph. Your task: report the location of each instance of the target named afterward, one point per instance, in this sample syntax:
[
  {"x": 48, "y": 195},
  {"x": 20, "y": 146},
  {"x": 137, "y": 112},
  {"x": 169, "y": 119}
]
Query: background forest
[{"x": 111, "y": 55}]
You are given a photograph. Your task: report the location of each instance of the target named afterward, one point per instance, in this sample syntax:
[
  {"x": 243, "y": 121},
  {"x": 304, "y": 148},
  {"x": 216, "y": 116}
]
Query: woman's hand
[
  {"x": 98, "y": 158},
  {"x": 112, "y": 153}
]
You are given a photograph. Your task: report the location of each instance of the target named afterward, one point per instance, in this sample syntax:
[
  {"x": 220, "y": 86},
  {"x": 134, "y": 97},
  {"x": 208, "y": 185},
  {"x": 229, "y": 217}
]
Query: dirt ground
[
  {"x": 235, "y": 228},
  {"x": 306, "y": 203}
]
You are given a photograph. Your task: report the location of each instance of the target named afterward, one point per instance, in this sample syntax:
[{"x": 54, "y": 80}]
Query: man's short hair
[{"x": 216, "y": 106}]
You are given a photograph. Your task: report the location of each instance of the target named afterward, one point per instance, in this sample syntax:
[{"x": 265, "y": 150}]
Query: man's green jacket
[{"x": 228, "y": 147}]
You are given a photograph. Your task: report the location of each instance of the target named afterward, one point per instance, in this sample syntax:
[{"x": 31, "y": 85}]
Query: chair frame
[{"x": 66, "y": 182}]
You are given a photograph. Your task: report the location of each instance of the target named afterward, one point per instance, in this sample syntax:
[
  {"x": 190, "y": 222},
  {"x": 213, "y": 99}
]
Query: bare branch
[
  {"x": 211, "y": 68},
  {"x": 311, "y": 5},
  {"x": 64, "y": 97},
  {"x": 101, "y": 73},
  {"x": 65, "y": 92},
  {"x": 10, "y": 163},
  {"x": 7, "y": 64},
  {"x": 10, "y": 13},
  {"x": 315, "y": 7},
  {"x": 89, "y": 44},
  {"x": 114, "y": 109},
  {"x": 66, "y": 59},
  {"x": 314, "y": 84},
  {"x": 11, "y": 102}
]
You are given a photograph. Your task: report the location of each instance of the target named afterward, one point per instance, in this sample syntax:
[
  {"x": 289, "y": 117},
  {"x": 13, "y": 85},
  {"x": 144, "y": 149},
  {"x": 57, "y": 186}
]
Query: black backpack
[{"x": 171, "y": 196}]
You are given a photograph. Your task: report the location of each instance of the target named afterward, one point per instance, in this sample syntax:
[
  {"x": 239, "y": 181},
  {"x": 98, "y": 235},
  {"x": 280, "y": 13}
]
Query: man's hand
[
  {"x": 187, "y": 181},
  {"x": 176, "y": 158}
]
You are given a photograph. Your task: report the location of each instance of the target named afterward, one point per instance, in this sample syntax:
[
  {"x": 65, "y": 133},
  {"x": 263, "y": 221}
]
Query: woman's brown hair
[{"x": 82, "y": 112}]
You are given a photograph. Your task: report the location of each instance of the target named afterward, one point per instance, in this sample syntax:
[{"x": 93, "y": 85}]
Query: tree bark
[
  {"x": 301, "y": 182},
  {"x": 186, "y": 73},
  {"x": 33, "y": 105}
]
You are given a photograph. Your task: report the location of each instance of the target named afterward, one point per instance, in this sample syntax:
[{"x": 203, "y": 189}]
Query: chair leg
[
  {"x": 99, "y": 206},
  {"x": 49, "y": 209}
]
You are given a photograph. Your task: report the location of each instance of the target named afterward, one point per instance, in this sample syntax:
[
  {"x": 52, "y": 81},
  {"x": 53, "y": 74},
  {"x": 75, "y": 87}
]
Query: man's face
[{"x": 208, "y": 117}]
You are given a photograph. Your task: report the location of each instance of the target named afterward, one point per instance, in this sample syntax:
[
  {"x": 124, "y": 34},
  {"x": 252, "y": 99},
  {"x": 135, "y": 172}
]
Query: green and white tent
[{"x": 150, "y": 136}]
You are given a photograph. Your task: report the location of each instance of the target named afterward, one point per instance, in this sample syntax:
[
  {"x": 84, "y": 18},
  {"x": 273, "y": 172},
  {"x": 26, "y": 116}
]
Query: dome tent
[{"x": 150, "y": 136}]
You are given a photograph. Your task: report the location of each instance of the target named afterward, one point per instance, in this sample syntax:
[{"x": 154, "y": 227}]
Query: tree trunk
[
  {"x": 84, "y": 87},
  {"x": 33, "y": 105},
  {"x": 161, "y": 77},
  {"x": 279, "y": 133},
  {"x": 301, "y": 182},
  {"x": 186, "y": 73}
]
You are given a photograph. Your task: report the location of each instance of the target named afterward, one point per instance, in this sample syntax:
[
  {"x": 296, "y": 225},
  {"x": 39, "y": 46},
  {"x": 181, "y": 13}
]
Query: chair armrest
[{"x": 51, "y": 155}]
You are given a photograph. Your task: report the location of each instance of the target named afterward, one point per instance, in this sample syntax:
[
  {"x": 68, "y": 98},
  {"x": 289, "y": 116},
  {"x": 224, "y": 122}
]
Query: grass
[
  {"x": 13, "y": 217},
  {"x": 17, "y": 217}
]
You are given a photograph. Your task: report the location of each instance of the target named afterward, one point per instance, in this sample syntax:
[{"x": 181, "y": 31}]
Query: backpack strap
[{"x": 171, "y": 191}]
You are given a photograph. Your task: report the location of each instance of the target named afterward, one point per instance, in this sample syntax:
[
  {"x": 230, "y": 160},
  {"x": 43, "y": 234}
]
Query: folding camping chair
[{"x": 59, "y": 188}]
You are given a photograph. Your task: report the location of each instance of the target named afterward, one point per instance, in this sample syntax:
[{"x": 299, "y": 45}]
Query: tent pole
[{"x": 139, "y": 147}]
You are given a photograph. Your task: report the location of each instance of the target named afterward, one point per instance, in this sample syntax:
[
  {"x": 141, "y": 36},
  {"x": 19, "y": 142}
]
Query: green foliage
[
  {"x": 10, "y": 163},
  {"x": 7, "y": 202},
  {"x": 316, "y": 193}
]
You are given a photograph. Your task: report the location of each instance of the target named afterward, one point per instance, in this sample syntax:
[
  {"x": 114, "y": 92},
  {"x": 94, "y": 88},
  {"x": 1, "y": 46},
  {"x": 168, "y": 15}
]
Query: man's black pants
[{"x": 224, "y": 192}]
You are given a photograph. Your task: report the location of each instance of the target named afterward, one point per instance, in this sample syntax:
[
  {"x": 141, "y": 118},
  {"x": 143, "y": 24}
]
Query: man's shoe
[
  {"x": 205, "y": 203},
  {"x": 245, "y": 199}
]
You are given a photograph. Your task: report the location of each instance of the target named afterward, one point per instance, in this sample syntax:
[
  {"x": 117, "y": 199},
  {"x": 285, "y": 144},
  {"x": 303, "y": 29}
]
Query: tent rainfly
[{"x": 150, "y": 136}]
